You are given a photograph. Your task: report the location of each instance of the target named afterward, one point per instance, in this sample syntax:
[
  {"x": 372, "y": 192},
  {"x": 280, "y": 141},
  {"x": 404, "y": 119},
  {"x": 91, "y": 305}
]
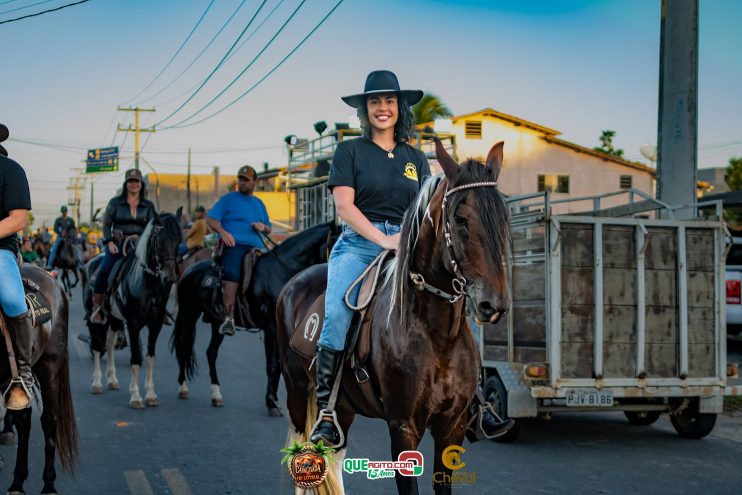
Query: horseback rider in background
[
  {"x": 126, "y": 215},
  {"x": 61, "y": 224},
  {"x": 238, "y": 217}
]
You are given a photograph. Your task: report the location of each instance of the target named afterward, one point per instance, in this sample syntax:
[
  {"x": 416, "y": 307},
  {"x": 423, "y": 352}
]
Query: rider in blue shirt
[{"x": 238, "y": 217}]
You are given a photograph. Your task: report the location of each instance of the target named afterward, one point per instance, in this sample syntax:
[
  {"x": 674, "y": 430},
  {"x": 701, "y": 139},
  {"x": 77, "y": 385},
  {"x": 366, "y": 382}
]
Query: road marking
[
  {"x": 176, "y": 482},
  {"x": 138, "y": 484}
]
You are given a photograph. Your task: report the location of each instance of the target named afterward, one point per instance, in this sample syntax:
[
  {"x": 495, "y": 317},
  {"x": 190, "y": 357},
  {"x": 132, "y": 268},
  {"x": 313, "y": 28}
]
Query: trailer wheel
[
  {"x": 689, "y": 423},
  {"x": 496, "y": 394},
  {"x": 642, "y": 418}
]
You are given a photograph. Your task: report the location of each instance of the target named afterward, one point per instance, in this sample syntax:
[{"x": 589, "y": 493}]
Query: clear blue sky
[{"x": 578, "y": 66}]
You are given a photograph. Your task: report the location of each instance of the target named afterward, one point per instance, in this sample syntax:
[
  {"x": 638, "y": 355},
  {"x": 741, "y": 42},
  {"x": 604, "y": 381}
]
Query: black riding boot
[
  {"x": 327, "y": 364},
  {"x": 21, "y": 395},
  {"x": 492, "y": 426}
]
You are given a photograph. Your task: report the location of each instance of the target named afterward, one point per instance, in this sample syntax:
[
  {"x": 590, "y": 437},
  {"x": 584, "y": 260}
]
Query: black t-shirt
[
  {"x": 14, "y": 195},
  {"x": 384, "y": 187}
]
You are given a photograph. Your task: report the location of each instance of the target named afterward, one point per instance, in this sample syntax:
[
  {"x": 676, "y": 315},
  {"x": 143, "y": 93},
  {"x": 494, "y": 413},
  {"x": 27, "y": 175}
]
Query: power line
[
  {"x": 44, "y": 12},
  {"x": 7, "y": 1},
  {"x": 230, "y": 55},
  {"x": 175, "y": 54},
  {"x": 260, "y": 53},
  {"x": 264, "y": 77},
  {"x": 24, "y": 7},
  {"x": 200, "y": 53},
  {"x": 217, "y": 66}
]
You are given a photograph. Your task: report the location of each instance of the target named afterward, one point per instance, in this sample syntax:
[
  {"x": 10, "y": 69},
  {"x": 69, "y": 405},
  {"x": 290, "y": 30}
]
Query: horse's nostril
[{"x": 486, "y": 309}]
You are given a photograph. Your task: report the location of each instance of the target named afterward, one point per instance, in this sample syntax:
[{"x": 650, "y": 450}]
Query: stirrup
[
  {"x": 104, "y": 319},
  {"x": 326, "y": 415},
  {"x": 477, "y": 430},
  {"x": 227, "y": 327},
  {"x": 19, "y": 382}
]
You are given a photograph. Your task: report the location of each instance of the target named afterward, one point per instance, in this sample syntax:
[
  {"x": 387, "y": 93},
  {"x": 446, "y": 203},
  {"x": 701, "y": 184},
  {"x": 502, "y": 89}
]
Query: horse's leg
[
  {"x": 22, "y": 421},
  {"x": 7, "y": 437},
  {"x": 211, "y": 353},
  {"x": 96, "y": 387},
  {"x": 135, "y": 399},
  {"x": 150, "y": 397},
  {"x": 112, "y": 382},
  {"x": 48, "y": 381},
  {"x": 442, "y": 440},
  {"x": 272, "y": 370},
  {"x": 405, "y": 436}
]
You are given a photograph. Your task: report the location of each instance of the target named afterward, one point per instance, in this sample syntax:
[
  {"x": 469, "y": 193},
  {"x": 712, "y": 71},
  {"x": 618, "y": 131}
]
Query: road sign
[{"x": 102, "y": 160}]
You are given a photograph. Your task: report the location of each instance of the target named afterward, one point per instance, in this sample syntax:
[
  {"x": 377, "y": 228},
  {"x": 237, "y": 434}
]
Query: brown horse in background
[
  {"x": 423, "y": 361},
  {"x": 50, "y": 363}
]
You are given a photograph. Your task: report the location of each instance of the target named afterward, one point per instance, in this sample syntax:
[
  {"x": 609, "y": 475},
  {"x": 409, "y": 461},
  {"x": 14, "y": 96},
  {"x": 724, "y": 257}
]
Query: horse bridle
[
  {"x": 458, "y": 282},
  {"x": 159, "y": 261}
]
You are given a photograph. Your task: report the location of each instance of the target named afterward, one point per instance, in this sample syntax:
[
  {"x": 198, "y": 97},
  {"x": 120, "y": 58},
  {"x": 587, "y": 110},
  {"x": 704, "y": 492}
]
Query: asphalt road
[{"x": 189, "y": 447}]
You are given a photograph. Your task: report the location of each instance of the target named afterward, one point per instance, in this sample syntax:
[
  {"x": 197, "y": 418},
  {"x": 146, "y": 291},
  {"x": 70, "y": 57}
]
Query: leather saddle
[
  {"x": 242, "y": 316},
  {"x": 305, "y": 336}
]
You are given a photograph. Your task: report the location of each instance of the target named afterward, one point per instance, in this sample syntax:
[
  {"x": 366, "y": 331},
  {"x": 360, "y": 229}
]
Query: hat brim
[{"x": 411, "y": 96}]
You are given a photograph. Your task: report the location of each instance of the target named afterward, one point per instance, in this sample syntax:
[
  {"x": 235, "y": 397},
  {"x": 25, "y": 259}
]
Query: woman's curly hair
[{"x": 404, "y": 129}]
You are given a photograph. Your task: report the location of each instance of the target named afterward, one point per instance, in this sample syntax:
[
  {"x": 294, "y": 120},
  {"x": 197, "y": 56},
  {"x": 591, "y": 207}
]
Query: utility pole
[
  {"x": 76, "y": 183},
  {"x": 188, "y": 183},
  {"x": 136, "y": 129},
  {"x": 678, "y": 104}
]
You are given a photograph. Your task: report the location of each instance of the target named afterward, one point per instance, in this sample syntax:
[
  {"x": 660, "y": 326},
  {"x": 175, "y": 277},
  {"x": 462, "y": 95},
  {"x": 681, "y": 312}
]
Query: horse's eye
[{"x": 461, "y": 221}]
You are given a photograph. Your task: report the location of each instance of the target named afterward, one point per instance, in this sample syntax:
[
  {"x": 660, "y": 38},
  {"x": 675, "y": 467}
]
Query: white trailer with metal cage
[{"x": 616, "y": 309}]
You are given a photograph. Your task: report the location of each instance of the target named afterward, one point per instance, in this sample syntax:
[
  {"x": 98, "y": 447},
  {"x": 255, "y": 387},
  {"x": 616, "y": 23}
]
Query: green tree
[
  {"x": 429, "y": 108},
  {"x": 606, "y": 144},
  {"x": 733, "y": 175}
]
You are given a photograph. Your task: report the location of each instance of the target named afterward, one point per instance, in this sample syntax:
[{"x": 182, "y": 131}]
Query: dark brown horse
[
  {"x": 423, "y": 360},
  {"x": 51, "y": 368},
  {"x": 67, "y": 260}
]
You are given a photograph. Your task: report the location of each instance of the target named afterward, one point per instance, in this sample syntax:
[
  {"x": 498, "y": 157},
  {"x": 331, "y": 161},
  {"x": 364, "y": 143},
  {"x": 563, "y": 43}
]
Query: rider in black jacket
[{"x": 126, "y": 215}]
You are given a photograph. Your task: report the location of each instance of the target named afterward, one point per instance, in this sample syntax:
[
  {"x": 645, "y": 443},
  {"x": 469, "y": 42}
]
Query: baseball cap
[
  {"x": 247, "y": 172},
  {"x": 133, "y": 173},
  {"x": 63, "y": 208},
  {"x": 200, "y": 208}
]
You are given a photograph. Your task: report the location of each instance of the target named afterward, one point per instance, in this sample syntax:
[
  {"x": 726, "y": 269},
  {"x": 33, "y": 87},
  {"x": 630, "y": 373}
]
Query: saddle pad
[
  {"x": 305, "y": 336},
  {"x": 37, "y": 303}
]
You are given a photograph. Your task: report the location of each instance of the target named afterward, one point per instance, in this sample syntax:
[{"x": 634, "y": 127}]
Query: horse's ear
[
  {"x": 449, "y": 166},
  {"x": 494, "y": 158},
  {"x": 179, "y": 215}
]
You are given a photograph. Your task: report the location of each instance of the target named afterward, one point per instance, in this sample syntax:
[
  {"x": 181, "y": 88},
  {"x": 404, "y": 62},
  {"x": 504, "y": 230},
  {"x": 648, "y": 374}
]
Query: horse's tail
[
  {"x": 183, "y": 340},
  {"x": 67, "y": 435}
]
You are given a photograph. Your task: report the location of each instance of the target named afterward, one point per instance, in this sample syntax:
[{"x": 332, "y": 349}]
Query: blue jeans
[
  {"x": 12, "y": 297},
  {"x": 232, "y": 261},
  {"x": 53, "y": 252},
  {"x": 182, "y": 249},
  {"x": 101, "y": 279},
  {"x": 351, "y": 255}
]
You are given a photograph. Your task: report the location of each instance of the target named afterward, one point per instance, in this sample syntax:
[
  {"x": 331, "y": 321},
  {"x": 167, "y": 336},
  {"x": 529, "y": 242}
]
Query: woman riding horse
[
  {"x": 373, "y": 181},
  {"x": 126, "y": 215}
]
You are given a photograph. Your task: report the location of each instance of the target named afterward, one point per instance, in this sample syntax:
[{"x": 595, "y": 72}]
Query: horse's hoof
[
  {"x": 136, "y": 404},
  {"x": 217, "y": 402},
  {"x": 184, "y": 394},
  {"x": 96, "y": 389},
  {"x": 7, "y": 438},
  {"x": 113, "y": 386},
  {"x": 152, "y": 402},
  {"x": 275, "y": 412}
]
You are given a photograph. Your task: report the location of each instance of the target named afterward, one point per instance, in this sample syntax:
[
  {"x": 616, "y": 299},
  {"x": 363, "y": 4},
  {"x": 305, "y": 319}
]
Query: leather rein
[{"x": 458, "y": 283}]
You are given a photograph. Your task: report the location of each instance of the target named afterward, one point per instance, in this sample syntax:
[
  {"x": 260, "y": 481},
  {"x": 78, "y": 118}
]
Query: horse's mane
[
  {"x": 298, "y": 242},
  {"x": 493, "y": 213}
]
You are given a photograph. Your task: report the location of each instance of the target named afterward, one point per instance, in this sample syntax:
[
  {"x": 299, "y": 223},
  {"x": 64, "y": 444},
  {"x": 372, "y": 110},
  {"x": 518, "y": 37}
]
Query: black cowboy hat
[
  {"x": 4, "y": 133},
  {"x": 383, "y": 81}
]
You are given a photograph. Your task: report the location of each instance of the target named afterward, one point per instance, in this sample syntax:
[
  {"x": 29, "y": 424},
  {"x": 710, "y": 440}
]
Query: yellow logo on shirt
[{"x": 410, "y": 171}]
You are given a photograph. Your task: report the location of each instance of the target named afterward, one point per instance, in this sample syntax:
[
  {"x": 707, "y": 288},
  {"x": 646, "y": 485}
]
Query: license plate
[{"x": 590, "y": 398}]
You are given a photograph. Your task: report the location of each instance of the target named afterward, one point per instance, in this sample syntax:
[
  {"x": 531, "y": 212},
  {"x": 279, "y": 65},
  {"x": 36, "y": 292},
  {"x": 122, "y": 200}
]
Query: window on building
[
  {"x": 473, "y": 129},
  {"x": 625, "y": 182},
  {"x": 553, "y": 183}
]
